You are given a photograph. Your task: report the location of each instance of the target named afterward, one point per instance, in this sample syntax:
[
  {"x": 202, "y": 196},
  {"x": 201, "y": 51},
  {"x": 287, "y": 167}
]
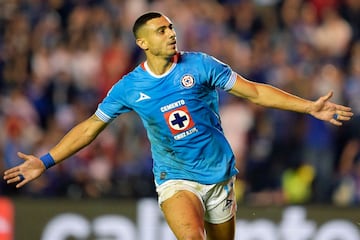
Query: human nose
[{"x": 171, "y": 33}]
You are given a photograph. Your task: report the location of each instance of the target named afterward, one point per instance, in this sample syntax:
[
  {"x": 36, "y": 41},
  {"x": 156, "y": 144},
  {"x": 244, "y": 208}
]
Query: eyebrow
[{"x": 163, "y": 27}]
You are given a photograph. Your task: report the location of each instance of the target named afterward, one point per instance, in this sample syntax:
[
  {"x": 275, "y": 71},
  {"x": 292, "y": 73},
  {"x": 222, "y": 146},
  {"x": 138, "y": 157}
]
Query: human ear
[{"x": 142, "y": 43}]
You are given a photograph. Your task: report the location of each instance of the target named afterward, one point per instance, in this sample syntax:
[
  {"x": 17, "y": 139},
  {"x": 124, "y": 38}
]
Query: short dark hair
[{"x": 142, "y": 20}]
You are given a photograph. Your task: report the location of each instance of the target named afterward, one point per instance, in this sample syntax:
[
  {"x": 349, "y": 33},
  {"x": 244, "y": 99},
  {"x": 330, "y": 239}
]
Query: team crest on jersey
[
  {"x": 187, "y": 81},
  {"x": 180, "y": 122}
]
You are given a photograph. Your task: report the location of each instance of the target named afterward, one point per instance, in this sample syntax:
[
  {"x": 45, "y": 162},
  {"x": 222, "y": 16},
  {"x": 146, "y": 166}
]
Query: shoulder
[
  {"x": 139, "y": 70},
  {"x": 126, "y": 81},
  {"x": 196, "y": 58},
  {"x": 137, "y": 73},
  {"x": 198, "y": 55}
]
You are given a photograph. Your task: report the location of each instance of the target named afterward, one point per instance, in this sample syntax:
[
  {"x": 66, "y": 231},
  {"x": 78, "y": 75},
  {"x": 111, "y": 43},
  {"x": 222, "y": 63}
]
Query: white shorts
[{"x": 218, "y": 200}]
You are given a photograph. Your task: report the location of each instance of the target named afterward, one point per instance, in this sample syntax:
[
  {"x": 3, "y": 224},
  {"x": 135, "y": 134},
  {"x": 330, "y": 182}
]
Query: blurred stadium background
[{"x": 58, "y": 59}]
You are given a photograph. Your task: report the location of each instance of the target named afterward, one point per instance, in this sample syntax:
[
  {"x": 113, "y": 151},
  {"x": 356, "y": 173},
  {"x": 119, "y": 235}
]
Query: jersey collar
[{"x": 174, "y": 60}]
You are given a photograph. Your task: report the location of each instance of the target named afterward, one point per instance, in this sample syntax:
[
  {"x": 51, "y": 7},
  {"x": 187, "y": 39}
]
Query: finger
[
  {"x": 343, "y": 118},
  {"x": 22, "y": 155},
  {"x": 13, "y": 180},
  {"x": 21, "y": 177},
  {"x": 22, "y": 183},
  {"x": 12, "y": 175},
  {"x": 344, "y": 113},
  {"x": 22, "y": 180},
  {"x": 335, "y": 122},
  {"x": 339, "y": 117},
  {"x": 327, "y": 96},
  {"x": 18, "y": 178},
  {"x": 343, "y": 108},
  {"x": 8, "y": 173}
]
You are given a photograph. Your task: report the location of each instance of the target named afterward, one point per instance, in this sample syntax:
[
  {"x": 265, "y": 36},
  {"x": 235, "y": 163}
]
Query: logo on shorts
[
  {"x": 228, "y": 204},
  {"x": 187, "y": 81}
]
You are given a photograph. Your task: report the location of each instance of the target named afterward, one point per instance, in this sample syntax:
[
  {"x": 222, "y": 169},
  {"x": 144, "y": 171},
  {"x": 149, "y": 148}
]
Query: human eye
[{"x": 161, "y": 31}]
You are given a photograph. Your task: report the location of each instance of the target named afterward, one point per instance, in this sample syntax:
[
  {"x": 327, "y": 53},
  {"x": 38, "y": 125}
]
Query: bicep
[
  {"x": 244, "y": 88},
  {"x": 93, "y": 125}
]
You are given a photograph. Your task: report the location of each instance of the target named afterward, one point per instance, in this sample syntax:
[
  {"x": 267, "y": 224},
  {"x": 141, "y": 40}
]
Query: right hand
[{"x": 30, "y": 169}]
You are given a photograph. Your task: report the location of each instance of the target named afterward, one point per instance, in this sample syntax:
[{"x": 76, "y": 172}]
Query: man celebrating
[{"x": 174, "y": 93}]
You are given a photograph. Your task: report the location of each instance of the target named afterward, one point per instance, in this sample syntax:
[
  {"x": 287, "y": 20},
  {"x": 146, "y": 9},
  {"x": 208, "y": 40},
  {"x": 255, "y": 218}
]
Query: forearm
[
  {"x": 270, "y": 96},
  {"x": 77, "y": 138},
  {"x": 71, "y": 143}
]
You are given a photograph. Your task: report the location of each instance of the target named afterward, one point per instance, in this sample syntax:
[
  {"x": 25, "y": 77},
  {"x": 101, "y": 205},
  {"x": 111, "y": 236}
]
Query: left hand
[
  {"x": 331, "y": 112},
  {"x": 30, "y": 169}
]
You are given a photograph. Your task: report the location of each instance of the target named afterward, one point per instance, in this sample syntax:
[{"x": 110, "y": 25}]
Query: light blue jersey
[{"x": 179, "y": 110}]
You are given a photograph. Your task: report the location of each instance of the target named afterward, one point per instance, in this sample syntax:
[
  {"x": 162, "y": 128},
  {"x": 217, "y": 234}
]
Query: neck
[{"x": 160, "y": 66}]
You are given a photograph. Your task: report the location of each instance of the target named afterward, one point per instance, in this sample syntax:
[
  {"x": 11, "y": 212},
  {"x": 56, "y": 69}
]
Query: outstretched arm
[
  {"x": 77, "y": 138},
  {"x": 269, "y": 96}
]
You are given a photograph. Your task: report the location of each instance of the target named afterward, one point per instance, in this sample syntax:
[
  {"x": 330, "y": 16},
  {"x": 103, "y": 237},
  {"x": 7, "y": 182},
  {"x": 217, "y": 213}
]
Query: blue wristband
[{"x": 48, "y": 160}]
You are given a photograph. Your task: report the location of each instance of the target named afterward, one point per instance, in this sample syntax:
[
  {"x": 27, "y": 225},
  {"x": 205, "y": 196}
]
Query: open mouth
[{"x": 172, "y": 45}]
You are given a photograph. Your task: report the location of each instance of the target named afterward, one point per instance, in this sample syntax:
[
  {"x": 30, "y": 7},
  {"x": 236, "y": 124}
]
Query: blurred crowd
[{"x": 58, "y": 59}]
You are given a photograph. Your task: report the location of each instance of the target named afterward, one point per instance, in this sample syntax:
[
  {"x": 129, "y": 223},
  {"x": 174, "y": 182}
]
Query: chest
[
  {"x": 151, "y": 96},
  {"x": 175, "y": 105}
]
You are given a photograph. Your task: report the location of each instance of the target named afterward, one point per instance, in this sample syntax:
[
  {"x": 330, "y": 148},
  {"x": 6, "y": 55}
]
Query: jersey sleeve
[
  {"x": 112, "y": 105},
  {"x": 220, "y": 75}
]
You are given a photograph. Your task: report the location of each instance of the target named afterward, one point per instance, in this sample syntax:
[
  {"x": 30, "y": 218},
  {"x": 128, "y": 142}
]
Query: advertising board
[{"x": 142, "y": 220}]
